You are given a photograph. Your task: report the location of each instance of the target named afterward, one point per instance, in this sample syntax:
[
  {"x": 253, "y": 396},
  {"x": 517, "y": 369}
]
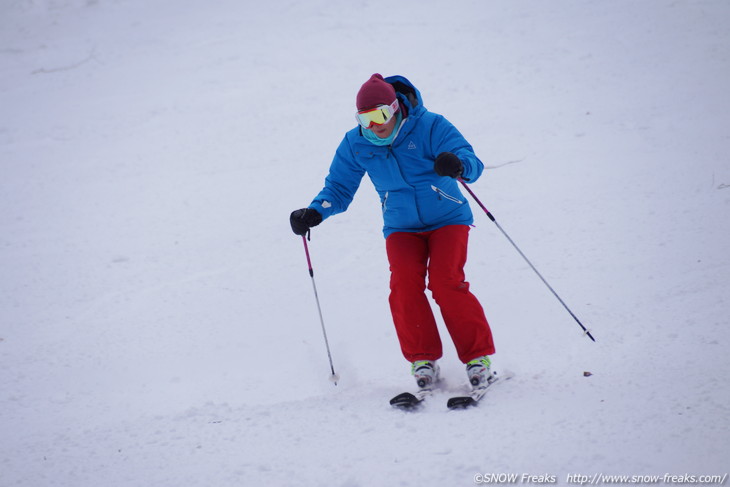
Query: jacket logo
[{"x": 411, "y": 145}]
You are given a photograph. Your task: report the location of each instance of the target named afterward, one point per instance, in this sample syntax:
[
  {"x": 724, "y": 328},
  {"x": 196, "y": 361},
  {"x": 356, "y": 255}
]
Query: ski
[
  {"x": 463, "y": 402},
  {"x": 476, "y": 394},
  {"x": 409, "y": 401}
]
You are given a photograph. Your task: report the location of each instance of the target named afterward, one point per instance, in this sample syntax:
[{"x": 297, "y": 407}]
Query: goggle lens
[{"x": 377, "y": 116}]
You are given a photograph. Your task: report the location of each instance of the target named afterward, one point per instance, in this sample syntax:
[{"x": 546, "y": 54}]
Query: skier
[{"x": 413, "y": 158}]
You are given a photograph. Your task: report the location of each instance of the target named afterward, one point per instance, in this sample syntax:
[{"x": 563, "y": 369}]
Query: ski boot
[
  {"x": 479, "y": 372},
  {"x": 426, "y": 373}
]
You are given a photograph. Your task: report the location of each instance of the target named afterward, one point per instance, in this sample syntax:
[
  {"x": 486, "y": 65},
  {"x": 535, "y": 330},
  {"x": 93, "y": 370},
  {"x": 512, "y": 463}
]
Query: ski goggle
[{"x": 378, "y": 115}]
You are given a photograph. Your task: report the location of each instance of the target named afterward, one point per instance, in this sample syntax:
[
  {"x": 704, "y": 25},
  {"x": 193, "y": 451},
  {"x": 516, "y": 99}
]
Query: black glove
[
  {"x": 304, "y": 219},
  {"x": 447, "y": 164}
]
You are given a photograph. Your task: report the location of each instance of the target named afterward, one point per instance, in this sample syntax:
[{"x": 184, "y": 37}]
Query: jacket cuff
[{"x": 324, "y": 208}]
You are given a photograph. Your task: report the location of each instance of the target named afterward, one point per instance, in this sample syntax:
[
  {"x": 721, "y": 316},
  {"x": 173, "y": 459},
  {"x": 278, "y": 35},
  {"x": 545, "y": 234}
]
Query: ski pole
[
  {"x": 491, "y": 217},
  {"x": 333, "y": 377}
]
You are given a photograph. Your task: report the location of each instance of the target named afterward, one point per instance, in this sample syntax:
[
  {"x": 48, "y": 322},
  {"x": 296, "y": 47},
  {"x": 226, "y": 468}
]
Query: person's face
[{"x": 384, "y": 131}]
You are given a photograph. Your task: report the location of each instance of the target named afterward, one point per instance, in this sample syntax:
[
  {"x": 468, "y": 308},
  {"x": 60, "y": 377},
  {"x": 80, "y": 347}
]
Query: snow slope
[{"x": 157, "y": 321}]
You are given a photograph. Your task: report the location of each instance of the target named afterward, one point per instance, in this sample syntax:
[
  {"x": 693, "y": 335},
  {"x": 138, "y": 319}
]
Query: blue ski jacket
[{"x": 413, "y": 197}]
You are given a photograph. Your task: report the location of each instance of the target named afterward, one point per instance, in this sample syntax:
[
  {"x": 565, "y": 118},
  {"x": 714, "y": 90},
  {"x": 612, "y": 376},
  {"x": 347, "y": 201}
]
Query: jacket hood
[{"x": 407, "y": 92}]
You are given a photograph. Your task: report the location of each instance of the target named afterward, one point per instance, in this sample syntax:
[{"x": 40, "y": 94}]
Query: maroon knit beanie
[{"x": 375, "y": 91}]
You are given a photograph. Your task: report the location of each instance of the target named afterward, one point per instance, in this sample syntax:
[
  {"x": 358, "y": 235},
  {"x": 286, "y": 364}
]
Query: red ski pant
[{"x": 439, "y": 255}]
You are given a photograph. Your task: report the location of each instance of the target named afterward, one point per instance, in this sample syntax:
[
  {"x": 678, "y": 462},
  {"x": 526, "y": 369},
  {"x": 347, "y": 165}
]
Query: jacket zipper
[
  {"x": 443, "y": 194},
  {"x": 390, "y": 146}
]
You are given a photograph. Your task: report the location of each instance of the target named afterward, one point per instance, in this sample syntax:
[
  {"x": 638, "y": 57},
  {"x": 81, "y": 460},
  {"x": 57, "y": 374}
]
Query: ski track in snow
[{"x": 157, "y": 322}]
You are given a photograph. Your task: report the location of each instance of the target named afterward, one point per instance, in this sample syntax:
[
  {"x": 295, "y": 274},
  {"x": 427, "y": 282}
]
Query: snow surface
[{"x": 157, "y": 321}]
